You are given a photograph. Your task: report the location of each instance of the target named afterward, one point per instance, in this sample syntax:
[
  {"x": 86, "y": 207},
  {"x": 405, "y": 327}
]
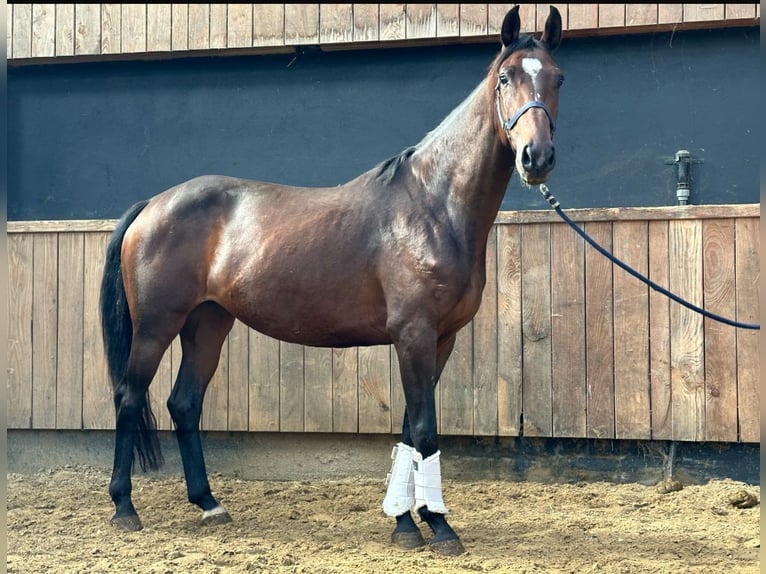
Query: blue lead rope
[{"x": 555, "y": 204}]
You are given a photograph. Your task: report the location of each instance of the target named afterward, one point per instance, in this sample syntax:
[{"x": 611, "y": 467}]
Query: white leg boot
[
  {"x": 428, "y": 483},
  {"x": 400, "y": 492}
]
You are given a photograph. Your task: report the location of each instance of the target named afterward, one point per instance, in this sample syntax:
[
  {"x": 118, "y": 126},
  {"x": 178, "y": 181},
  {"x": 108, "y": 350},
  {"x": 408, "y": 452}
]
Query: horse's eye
[
  {"x": 503, "y": 78},
  {"x": 560, "y": 81}
]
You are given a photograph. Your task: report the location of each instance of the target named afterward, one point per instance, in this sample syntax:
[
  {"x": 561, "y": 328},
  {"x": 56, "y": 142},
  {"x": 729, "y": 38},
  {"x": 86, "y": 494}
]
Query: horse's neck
[{"x": 463, "y": 167}]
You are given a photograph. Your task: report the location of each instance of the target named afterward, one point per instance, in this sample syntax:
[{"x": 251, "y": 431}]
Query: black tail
[{"x": 117, "y": 331}]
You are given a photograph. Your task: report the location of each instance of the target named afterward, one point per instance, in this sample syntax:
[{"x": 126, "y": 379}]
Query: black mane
[{"x": 388, "y": 169}]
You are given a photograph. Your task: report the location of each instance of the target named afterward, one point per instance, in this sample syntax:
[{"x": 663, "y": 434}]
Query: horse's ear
[
  {"x": 552, "y": 34},
  {"x": 509, "y": 32}
]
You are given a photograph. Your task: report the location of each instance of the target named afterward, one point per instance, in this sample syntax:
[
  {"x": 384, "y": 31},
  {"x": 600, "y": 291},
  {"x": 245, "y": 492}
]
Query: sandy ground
[{"x": 58, "y": 521}]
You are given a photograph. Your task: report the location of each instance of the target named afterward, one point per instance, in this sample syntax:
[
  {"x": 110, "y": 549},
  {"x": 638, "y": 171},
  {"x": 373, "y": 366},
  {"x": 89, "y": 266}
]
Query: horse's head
[{"x": 526, "y": 83}]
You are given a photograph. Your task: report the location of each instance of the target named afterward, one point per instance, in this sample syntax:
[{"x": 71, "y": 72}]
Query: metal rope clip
[{"x": 548, "y": 195}]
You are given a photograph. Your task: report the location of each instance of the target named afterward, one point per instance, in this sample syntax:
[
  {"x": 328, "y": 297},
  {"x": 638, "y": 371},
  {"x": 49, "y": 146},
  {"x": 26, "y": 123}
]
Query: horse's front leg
[
  {"x": 421, "y": 362},
  {"x": 400, "y": 492}
]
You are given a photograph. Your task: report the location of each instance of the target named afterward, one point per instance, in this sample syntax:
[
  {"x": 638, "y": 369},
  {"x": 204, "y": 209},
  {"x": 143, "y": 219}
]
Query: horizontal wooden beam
[
  {"x": 670, "y": 212},
  {"x": 84, "y": 32},
  {"x": 504, "y": 217}
]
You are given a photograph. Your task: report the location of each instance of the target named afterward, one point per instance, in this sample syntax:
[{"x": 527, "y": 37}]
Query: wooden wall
[
  {"x": 64, "y": 31},
  {"x": 564, "y": 341}
]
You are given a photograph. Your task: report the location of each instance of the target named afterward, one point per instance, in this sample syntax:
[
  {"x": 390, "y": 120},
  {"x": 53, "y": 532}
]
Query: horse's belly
[
  {"x": 317, "y": 315},
  {"x": 318, "y": 331}
]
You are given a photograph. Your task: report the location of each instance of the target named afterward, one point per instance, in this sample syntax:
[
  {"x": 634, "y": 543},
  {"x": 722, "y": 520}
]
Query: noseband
[{"x": 510, "y": 122}]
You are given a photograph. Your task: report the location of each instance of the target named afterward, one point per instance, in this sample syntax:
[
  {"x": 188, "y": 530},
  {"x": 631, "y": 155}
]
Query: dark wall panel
[{"x": 86, "y": 140}]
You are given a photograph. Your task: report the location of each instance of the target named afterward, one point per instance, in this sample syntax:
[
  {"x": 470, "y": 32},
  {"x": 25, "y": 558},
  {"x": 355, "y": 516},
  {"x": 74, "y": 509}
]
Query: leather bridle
[{"x": 508, "y": 124}]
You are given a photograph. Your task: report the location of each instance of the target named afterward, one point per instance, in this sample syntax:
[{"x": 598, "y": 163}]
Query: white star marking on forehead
[{"x": 532, "y": 66}]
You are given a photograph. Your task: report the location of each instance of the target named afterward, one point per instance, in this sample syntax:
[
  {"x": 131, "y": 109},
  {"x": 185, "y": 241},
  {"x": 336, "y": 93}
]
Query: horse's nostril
[
  {"x": 552, "y": 158},
  {"x": 526, "y": 158}
]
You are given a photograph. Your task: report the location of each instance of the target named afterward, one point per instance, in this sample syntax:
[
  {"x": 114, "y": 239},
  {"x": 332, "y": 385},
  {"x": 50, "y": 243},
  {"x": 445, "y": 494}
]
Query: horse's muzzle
[{"x": 535, "y": 162}]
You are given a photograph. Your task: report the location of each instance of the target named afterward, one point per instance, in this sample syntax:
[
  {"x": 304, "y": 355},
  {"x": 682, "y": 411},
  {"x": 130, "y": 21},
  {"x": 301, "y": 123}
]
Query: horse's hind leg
[
  {"x": 201, "y": 340},
  {"x": 145, "y": 356}
]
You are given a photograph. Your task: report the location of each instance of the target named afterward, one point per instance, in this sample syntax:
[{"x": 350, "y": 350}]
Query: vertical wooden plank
[
  {"x": 509, "y": 337},
  {"x": 20, "y": 349},
  {"x": 748, "y": 270},
  {"x": 583, "y": 17},
  {"x": 98, "y": 409},
  {"x": 291, "y": 388},
  {"x": 318, "y": 374},
  {"x": 739, "y": 11},
  {"x": 456, "y": 387},
  {"x": 268, "y": 25},
  {"x": 263, "y": 377},
  {"x": 199, "y": 26},
  {"x": 447, "y": 20},
  {"x": 239, "y": 377},
  {"x": 179, "y": 30},
  {"x": 473, "y": 20},
  {"x": 420, "y": 20},
  {"x": 719, "y": 296},
  {"x": 133, "y": 28},
  {"x": 496, "y": 13},
  {"x": 70, "y": 334},
  {"x": 686, "y": 341},
  {"x": 22, "y": 30},
  {"x": 398, "y": 404},
  {"x": 392, "y": 21},
  {"x": 485, "y": 349},
  {"x": 215, "y": 408},
  {"x": 111, "y": 28},
  {"x": 611, "y": 15},
  {"x": 218, "y": 22},
  {"x": 64, "y": 29},
  {"x": 536, "y": 329},
  {"x": 239, "y": 26},
  {"x": 632, "y": 407},
  {"x": 599, "y": 334},
  {"x": 641, "y": 14},
  {"x": 43, "y": 30},
  {"x": 670, "y": 13},
  {"x": 87, "y": 29},
  {"x": 568, "y": 333},
  {"x": 158, "y": 27},
  {"x": 301, "y": 24},
  {"x": 9, "y": 30},
  {"x": 366, "y": 22},
  {"x": 45, "y": 321},
  {"x": 703, "y": 12},
  {"x": 162, "y": 383},
  {"x": 345, "y": 389},
  {"x": 374, "y": 390},
  {"x": 336, "y": 23},
  {"x": 659, "y": 333}
]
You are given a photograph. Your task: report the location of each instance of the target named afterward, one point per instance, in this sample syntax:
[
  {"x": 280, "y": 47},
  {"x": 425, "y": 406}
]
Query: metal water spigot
[{"x": 683, "y": 159}]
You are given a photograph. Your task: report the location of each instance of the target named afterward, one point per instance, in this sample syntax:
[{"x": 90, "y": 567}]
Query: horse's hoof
[
  {"x": 129, "y": 523},
  {"x": 451, "y": 547},
  {"x": 215, "y": 516},
  {"x": 408, "y": 540}
]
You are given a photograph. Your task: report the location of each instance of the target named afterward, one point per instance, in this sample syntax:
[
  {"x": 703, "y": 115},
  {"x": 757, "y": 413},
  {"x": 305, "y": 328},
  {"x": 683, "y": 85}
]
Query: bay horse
[{"x": 394, "y": 256}]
